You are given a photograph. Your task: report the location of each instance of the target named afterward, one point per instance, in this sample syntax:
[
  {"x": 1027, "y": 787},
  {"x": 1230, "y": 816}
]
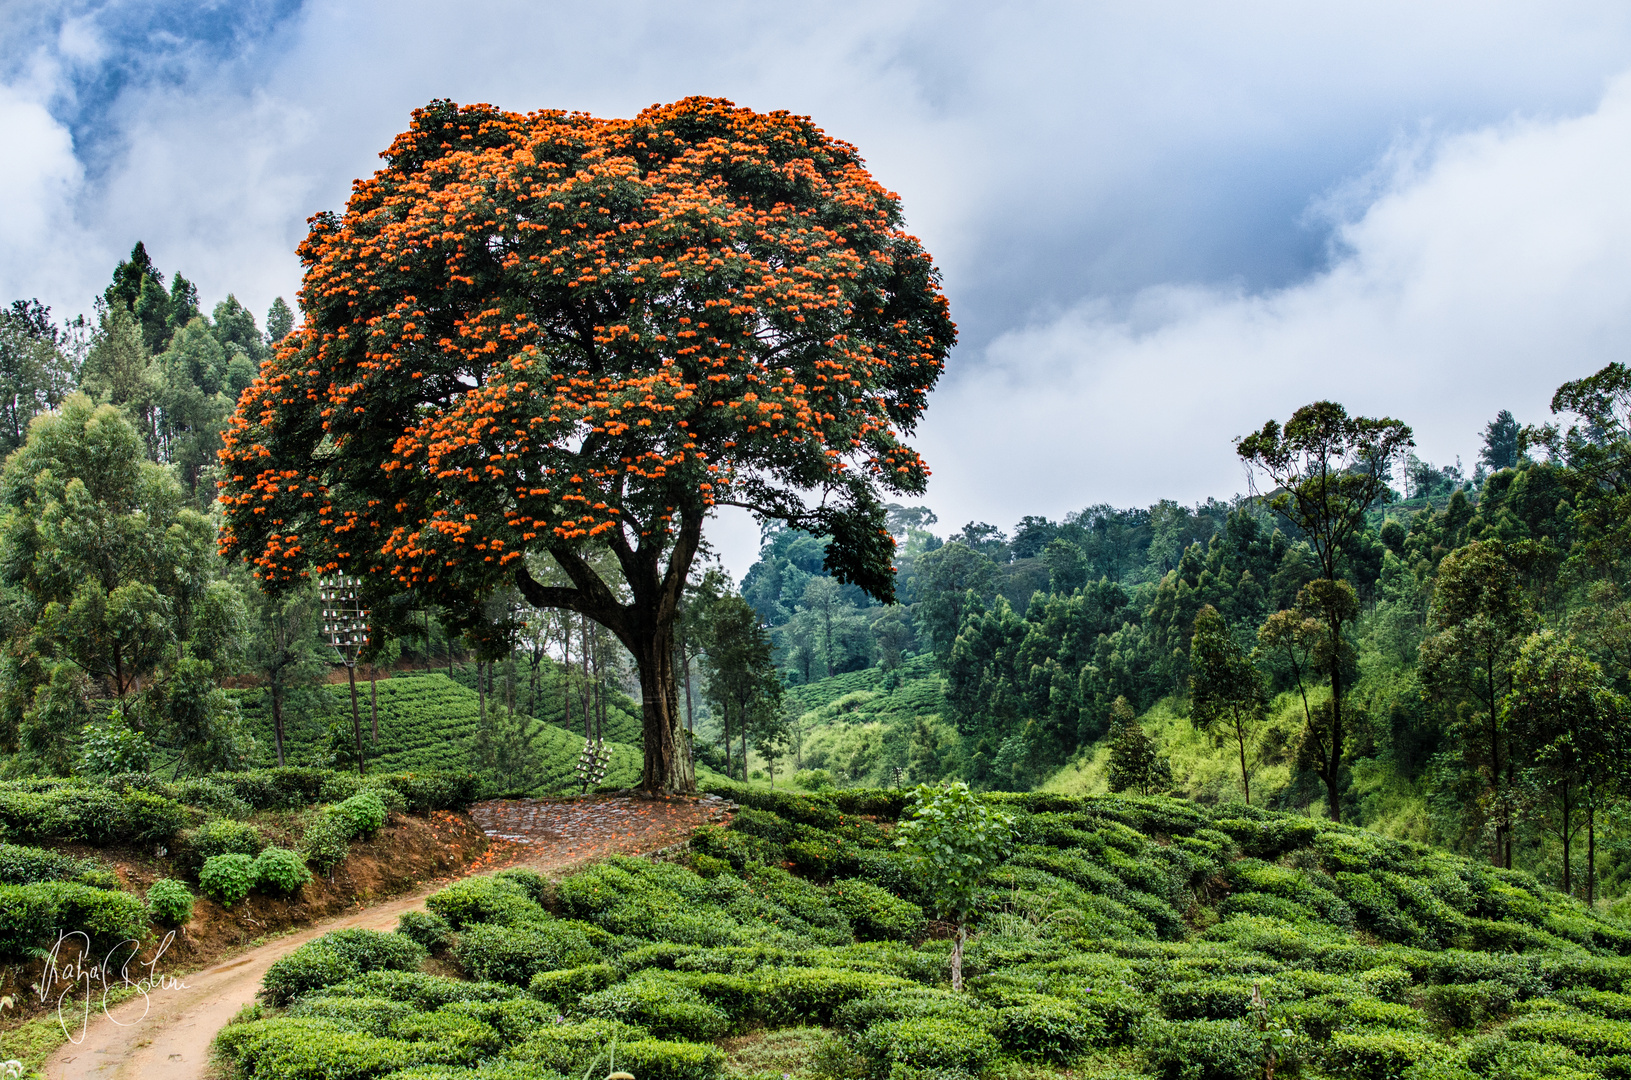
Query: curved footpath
[{"x": 172, "y": 1040}]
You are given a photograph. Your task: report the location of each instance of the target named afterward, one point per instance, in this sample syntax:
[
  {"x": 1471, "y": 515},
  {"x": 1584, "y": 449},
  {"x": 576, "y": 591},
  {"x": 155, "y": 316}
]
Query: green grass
[{"x": 427, "y": 722}]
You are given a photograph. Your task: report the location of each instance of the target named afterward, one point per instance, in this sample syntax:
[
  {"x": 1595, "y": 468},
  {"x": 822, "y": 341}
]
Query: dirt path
[{"x": 171, "y": 1041}]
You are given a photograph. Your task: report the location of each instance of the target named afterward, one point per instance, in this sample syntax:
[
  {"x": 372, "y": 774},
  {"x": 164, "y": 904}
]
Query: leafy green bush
[
  {"x": 326, "y": 842},
  {"x": 447, "y": 1038},
  {"x": 280, "y": 870},
  {"x": 875, "y": 913},
  {"x": 537, "y": 887},
  {"x": 665, "y": 1008},
  {"x": 220, "y": 837},
  {"x": 1205, "y": 1050},
  {"x": 169, "y": 902},
  {"x": 514, "y": 1019},
  {"x": 431, "y": 931},
  {"x": 371, "y": 1016},
  {"x": 1377, "y": 1055},
  {"x": 336, "y": 958},
  {"x": 654, "y": 1059},
  {"x": 298, "y": 1048},
  {"x": 926, "y": 1045},
  {"x": 363, "y": 813},
  {"x": 26, "y": 865},
  {"x": 564, "y": 987},
  {"x": 575, "y": 1048},
  {"x": 516, "y": 952},
  {"x": 227, "y": 878},
  {"x": 424, "y": 991},
  {"x": 1049, "y": 1029},
  {"x": 495, "y": 900}
]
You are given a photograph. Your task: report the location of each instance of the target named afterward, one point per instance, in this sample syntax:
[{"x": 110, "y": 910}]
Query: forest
[{"x": 1463, "y": 683}]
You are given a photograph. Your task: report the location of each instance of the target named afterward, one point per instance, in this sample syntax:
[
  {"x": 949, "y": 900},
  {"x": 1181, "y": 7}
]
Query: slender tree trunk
[
  {"x": 957, "y": 957},
  {"x": 1245, "y": 780},
  {"x": 1568, "y": 838},
  {"x": 725, "y": 720},
  {"x": 1332, "y": 777},
  {"x": 1591, "y": 852},
  {"x": 356, "y": 716},
  {"x": 566, "y": 670},
  {"x": 277, "y": 715},
  {"x": 373, "y": 697},
  {"x": 481, "y": 697}
]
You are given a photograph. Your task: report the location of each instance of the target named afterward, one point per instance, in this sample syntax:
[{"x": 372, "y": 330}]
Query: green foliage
[
  {"x": 875, "y": 913},
  {"x": 942, "y": 1047},
  {"x": 336, "y": 958},
  {"x": 169, "y": 902},
  {"x": 666, "y": 1008},
  {"x": 955, "y": 840},
  {"x": 280, "y": 870},
  {"x": 221, "y": 837},
  {"x": 227, "y": 878},
  {"x": 515, "y": 952},
  {"x": 31, "y": 915},
  {"x": 21, "y": 865},
  {"x": 326, "y": 842},
  {"x": 431, "y": 931},
  {"x": 363, "y": 814}
]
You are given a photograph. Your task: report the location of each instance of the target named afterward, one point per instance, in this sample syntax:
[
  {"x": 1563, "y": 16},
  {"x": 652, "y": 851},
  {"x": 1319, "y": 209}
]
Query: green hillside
[
  {"x": 548, "y": 703},
  {"x": 1143, "y": 939},
  {"x": 426, "y": 722},
  {"x": 858, "y": 728}
]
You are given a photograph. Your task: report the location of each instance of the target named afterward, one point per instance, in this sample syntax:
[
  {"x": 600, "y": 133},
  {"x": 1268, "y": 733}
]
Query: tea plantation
[
  {"x": 429, "y": 722},
  {"x": 1123, "y": 937}
]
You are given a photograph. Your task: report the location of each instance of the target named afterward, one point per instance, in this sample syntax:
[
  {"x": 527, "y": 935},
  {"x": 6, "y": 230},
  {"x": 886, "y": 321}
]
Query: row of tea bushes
[{"x": 1123, "y": 936}]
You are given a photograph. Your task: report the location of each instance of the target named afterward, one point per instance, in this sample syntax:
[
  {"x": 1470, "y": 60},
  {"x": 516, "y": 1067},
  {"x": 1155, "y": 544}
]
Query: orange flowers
[{"x": 550, "y": 327}]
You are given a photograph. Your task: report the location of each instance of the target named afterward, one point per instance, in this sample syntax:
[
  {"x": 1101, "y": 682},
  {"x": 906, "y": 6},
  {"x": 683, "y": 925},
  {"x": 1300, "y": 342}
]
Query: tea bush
[
  {"x": 279, "y": 870},
  {"x": 335, "y": 958},
  {"x": 169, "y": 902},
  {"x": 326, "y": 842},
  {"x": 515, "y": 952},
  {"x": 226, "y": 879},
  {"x": 431, "y": 931}
]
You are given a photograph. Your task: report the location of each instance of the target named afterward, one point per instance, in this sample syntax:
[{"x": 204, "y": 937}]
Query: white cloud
[
  {"x": 1479, "y": 278},
  {"x": 40, "y": 178}
]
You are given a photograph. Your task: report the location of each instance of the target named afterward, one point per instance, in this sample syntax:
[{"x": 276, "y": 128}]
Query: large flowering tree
[{"x": 531, "y": 335}]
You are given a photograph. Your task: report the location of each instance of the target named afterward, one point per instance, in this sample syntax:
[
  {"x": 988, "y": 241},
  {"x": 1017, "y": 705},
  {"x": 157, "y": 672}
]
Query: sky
[{"x": 1159, "y": 224}]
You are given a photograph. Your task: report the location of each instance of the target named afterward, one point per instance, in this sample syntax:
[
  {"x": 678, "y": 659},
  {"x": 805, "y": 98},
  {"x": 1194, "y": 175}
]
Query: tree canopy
[{"x": 530, "y": 334}]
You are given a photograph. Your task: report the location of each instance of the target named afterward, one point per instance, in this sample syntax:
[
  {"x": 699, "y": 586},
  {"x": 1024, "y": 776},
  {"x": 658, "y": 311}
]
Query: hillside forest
[{"x": 1447, "y": 666}]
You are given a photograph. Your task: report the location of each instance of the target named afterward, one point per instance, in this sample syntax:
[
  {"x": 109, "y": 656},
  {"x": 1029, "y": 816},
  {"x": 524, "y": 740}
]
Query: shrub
[
  {"x": 875, "y": 914},
  {"x": 1205, "y": 1050},
  {"x": 326, "y": 843},
  {"x": 431, "y": 931},
  {"x": 514, "y": 1019},
  {"x": 364, "y": 813},
  {"x": 221, "y": 837},
  {"x": 280, "y": 870},
  {"x": 483, "y": 900},
  {"x": 169, "y": 902},
  {"x": 27, "y": 916},
  {"x": 1048, "y": 1029},
  {"x": 447, "y": 1038},
  {"x": 227, "y": 878},
  {"x": 1207, "y": 999},
  {"x": 653, "y": 1059},
  {"x": 665, "y": 1008},
  {"x": 1377, "y": 1055},
  {"x": 1461, "y": 1005},
  {"x": 563, "y": 988},
  {"x": 335, "y": 958},
  {"x": 575, "y": 1048},
  {"x": 515, "y": 953},
  {"x": 372, "y": 1016},
  {"x": 926, "y": 1045},
  {"x": 309, "y": 1049},
  {"x": 425, "y": 992},
  {"x": 537, "y": 887},
  {"x": 26, "y": 865}
]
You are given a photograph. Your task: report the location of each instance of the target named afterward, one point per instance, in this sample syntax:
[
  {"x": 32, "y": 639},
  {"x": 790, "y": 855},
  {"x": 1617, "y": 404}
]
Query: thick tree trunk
[{"x": 655, "y": 661}]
